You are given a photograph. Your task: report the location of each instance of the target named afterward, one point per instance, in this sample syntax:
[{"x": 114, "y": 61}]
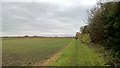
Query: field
[
  {"x": 48, "y": 52},
  {"x": 28, "y": 51}
]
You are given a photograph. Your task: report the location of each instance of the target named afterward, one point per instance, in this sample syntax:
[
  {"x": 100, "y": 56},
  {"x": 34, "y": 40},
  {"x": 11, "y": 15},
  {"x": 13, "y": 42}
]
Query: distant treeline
[{"x": 35, "y": 37}]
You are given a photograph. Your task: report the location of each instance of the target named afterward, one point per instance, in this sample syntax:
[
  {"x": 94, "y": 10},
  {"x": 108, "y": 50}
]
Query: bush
[{"x": 85, "y": 38}]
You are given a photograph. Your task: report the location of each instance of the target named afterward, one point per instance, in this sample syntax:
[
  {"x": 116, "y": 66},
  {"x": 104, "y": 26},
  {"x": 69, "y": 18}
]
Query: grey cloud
[{"x": 33, "y": 18}]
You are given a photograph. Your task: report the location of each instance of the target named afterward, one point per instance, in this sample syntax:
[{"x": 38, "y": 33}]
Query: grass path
[{"x": 78, "y": 54}]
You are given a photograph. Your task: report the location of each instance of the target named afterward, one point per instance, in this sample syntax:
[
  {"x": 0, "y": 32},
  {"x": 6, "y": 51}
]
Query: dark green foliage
[
  {"x": 104, "y": 25},
  {"x": 84, "y": 29},
  {"x": 112, "y": 26}
]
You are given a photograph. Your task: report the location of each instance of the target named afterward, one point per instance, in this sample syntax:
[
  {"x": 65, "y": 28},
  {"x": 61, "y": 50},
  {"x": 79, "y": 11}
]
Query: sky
[{"x": 44, "y": 17}]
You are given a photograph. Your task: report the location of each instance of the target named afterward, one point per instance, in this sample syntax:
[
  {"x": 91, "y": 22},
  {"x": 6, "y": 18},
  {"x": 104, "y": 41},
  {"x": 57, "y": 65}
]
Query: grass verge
[{"x": 78, "y": 54}]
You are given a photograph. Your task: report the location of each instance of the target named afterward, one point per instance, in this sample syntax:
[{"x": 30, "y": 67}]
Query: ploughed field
[{"x": 28, "y": 51}]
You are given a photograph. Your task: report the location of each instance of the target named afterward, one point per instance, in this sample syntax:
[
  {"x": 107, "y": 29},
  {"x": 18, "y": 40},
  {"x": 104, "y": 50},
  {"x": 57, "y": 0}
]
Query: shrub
[{"x": 85, "y": 38}]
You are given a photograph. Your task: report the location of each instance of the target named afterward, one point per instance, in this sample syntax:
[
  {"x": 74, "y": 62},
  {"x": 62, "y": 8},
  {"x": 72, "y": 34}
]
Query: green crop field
[
  {"x": 38, "y": 51},
  {"x": 28, "y": 51}
]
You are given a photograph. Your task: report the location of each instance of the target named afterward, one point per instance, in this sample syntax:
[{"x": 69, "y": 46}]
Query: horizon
[{"x": 35, "y": 36}]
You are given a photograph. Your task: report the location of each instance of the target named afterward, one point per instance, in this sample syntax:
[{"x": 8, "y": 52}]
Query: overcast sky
[{"x": 44, "y": 17}]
